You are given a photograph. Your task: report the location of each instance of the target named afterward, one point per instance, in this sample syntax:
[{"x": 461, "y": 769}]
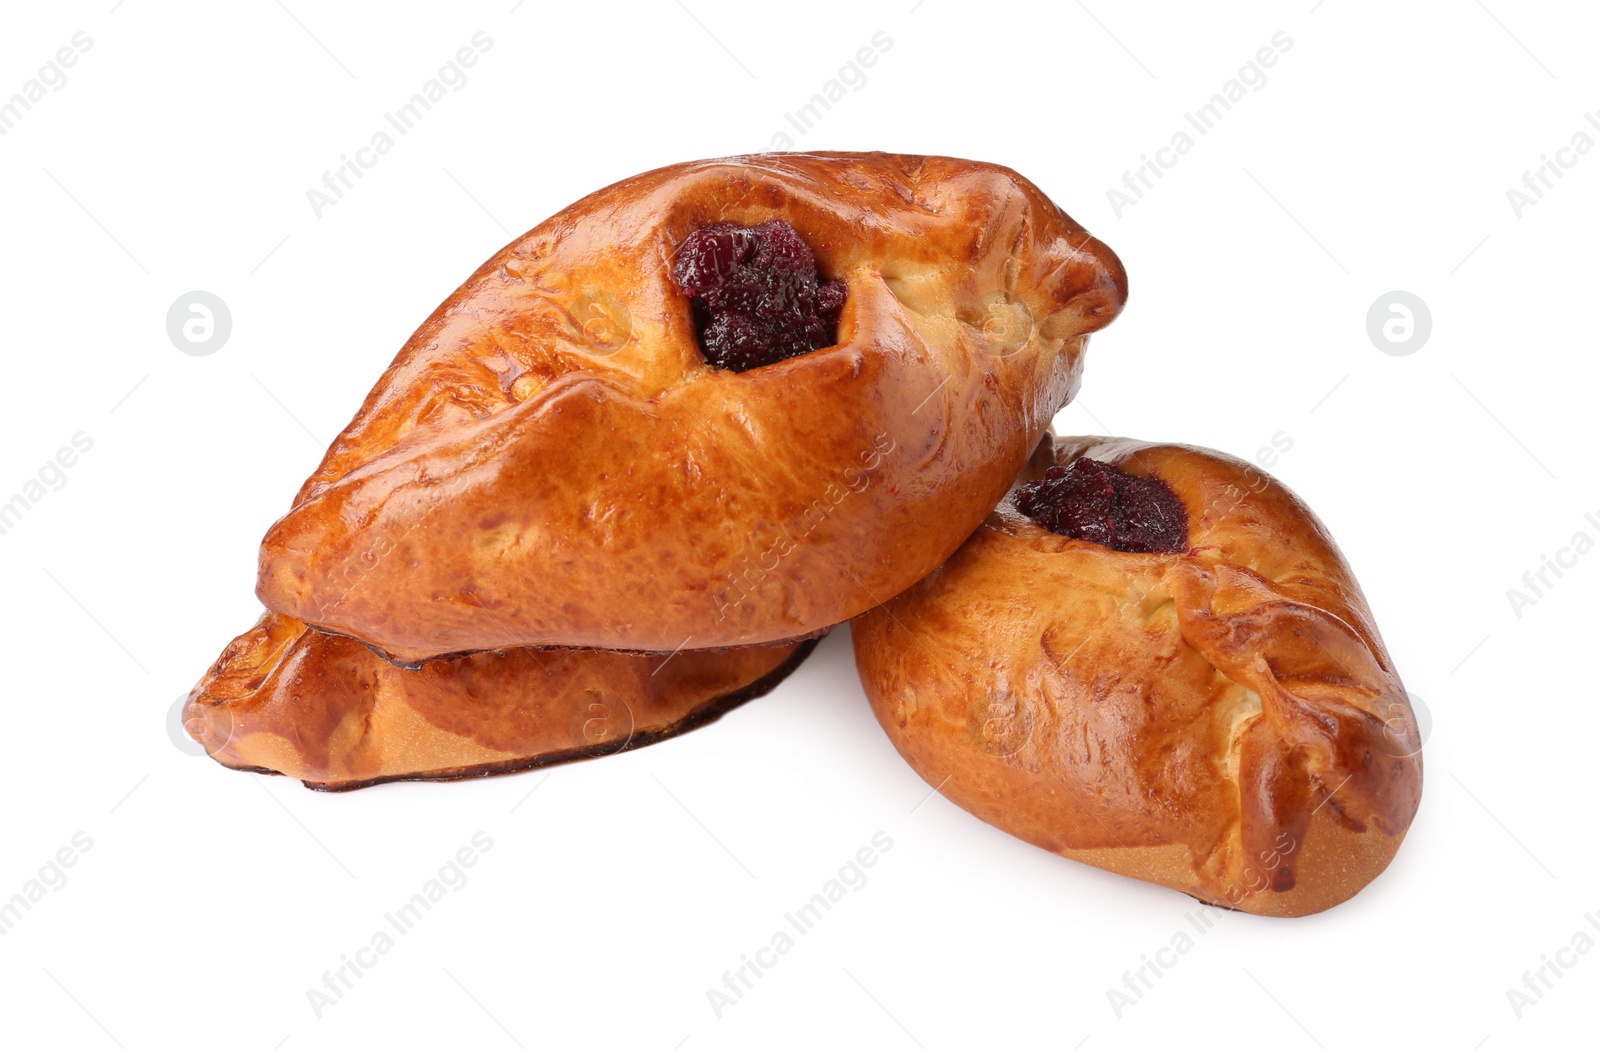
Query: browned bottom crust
[
  {"x": 324, "y": 709},
  {"x": 703, "y": 716}
]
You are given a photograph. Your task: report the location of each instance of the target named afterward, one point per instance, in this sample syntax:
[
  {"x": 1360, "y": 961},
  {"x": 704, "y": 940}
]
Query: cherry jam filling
[
  {"x": 1103, "y": 504},
  {"x": 756, "y": 295}
]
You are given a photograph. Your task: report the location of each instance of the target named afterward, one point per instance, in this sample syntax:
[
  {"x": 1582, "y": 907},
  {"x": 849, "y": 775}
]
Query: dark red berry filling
[
  {"x": 1098, "y": 502},
  {"x": 756, "y": 295}
]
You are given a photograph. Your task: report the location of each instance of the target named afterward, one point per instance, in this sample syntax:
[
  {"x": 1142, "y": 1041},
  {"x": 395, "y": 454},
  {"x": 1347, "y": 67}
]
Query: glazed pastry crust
[
  {"x": 331, "y": 712},
  {"x": 1223, "y": 721},
  {"x": 550, "y": 461}
]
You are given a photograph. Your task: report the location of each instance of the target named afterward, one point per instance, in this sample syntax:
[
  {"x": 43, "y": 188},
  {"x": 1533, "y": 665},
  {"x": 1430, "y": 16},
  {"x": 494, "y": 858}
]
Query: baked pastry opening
[
  {"x": 1107, "y": 505},
  {"x": 756, "y": 294}
]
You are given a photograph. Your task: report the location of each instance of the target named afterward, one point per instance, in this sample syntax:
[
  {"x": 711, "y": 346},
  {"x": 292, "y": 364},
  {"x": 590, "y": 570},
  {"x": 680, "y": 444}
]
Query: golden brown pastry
[
  {"x": 1174, "y": 677},
  {"x": 327, "y": 710},
  {"x": 553, "y": 460}
]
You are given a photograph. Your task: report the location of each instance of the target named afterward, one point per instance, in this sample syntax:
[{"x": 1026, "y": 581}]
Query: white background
[{"x": 1377, "y": 157}]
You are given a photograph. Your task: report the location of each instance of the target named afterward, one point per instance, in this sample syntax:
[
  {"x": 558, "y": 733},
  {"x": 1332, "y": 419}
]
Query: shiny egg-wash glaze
[
  {"x": 551, "y": 461},
  {"x": 1222, "y": 720},
  {"x": 327, "y": 710}
]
